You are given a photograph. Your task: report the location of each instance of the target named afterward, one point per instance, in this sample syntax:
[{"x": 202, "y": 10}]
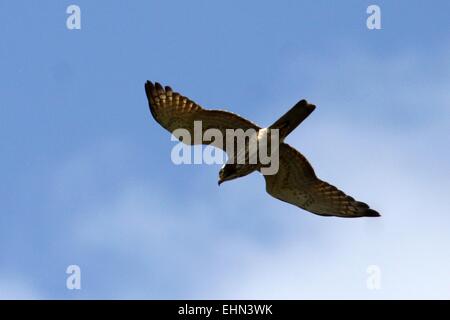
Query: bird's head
[{"x": 228, "y": 172}]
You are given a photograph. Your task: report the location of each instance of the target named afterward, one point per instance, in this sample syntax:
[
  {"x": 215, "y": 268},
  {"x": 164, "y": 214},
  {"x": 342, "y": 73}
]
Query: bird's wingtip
[
  {"x": 148, "y": 85},
  {"x": 148, "y": 89},
  {"x": 372, "y": 213}
]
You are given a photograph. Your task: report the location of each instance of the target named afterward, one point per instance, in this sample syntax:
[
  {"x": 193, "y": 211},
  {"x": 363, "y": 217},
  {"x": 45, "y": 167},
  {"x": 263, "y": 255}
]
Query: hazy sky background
[{"x": 86, "y": 175}]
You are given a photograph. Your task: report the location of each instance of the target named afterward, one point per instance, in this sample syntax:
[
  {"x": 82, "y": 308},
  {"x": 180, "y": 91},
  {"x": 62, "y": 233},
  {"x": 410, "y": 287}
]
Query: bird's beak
[{"x": 219, "y": 182}]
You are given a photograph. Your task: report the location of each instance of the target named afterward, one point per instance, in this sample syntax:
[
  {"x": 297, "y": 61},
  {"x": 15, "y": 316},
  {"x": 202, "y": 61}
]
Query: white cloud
[
  {"x": 17, "y": 288},
  {"x": 184, "y": 245},
  {"x": 220, "y": 244}
]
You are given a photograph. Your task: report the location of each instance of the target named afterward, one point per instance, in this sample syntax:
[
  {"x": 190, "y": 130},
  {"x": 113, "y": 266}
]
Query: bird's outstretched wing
[
  {"x": 174, "y": 111},
  {"x": 296, "y": 183}
]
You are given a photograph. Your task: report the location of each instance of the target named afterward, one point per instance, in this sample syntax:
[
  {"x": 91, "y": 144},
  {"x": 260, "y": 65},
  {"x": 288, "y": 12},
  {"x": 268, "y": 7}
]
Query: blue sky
[{"x": 87, "y": 177}]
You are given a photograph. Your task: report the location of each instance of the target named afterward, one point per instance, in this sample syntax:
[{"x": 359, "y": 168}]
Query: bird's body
[
  {"x": 240, "y": 164},
  {"x": 294, "y": 181}
]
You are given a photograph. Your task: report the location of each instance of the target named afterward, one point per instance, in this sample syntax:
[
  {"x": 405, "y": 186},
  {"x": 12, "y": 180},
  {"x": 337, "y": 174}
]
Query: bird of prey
[{"x": 295, "y": 181}]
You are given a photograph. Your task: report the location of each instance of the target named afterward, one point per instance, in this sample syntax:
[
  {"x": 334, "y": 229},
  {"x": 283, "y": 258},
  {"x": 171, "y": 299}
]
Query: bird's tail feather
[{"x": 292, "y": 119}]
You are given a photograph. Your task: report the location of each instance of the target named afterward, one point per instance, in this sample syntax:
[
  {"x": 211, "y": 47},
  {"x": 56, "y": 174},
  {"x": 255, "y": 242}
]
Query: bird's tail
[{"x": 291, "y": 119}]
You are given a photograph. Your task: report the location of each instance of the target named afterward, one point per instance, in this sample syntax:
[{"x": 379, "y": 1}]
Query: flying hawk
[{"x": 295, "y": 182}]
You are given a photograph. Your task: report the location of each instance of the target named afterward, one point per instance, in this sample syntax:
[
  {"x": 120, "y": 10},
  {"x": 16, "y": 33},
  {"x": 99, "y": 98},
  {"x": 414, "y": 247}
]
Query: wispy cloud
[
  {"x": 96, "y": 186},
  {"x": 184, "y": 247},
  {"x": 16, "y": 287}
]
